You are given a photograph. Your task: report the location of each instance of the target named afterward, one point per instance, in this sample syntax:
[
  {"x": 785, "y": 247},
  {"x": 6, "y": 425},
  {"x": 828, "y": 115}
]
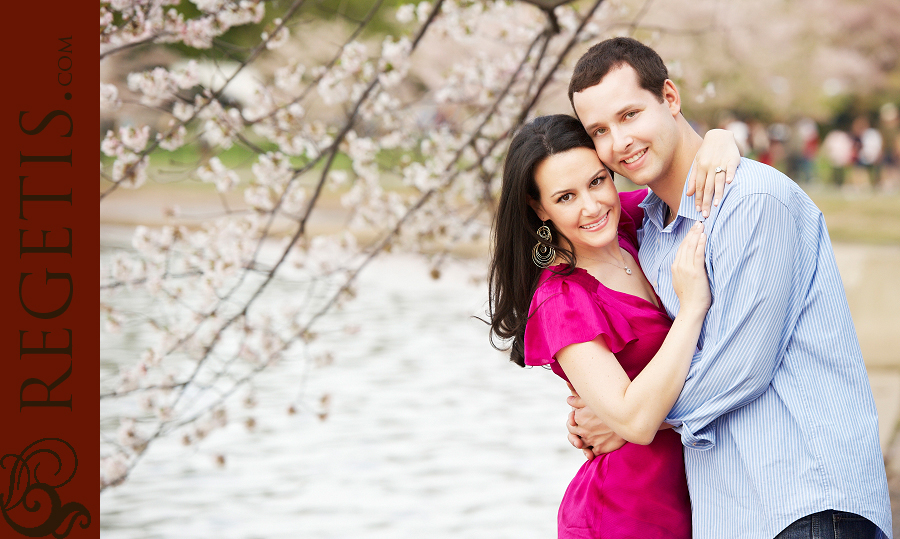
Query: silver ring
[{"x": 719, "y": 169}]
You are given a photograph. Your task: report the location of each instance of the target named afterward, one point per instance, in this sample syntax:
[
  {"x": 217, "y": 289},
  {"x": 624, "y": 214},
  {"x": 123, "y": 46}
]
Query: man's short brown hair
[{"x": 614, "y": 53}]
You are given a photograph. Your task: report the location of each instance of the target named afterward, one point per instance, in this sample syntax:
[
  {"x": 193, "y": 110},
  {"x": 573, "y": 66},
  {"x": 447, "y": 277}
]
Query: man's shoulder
[
  {"x": 761, "y": 193},
  {"x": 753, "y": 177},
  {"x": 756, "y": 191}
]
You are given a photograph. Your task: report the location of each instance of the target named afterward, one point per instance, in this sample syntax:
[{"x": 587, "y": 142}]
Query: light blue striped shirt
[{"x": 776, "y": 416}]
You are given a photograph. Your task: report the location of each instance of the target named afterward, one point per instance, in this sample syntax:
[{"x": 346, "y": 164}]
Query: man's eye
[
  {"x": 631, "y": 114},
  {"x": 600, "y": 131}
]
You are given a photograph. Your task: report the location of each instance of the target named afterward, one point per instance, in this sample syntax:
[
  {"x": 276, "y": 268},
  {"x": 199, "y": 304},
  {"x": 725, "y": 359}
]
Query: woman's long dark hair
[{"x": 513, "y": 275}]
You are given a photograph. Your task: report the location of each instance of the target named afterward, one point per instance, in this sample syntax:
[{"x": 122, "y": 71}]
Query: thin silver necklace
[{"x": 626, "y": 268}]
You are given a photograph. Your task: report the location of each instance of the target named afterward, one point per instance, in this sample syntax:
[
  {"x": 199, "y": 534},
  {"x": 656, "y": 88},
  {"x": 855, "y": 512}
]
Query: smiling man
[{"x": 776, "y": 416}]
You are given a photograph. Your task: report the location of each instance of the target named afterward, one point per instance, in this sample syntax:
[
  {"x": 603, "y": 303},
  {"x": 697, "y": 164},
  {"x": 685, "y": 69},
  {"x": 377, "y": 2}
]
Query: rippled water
[{"x": 431, "y": 434}]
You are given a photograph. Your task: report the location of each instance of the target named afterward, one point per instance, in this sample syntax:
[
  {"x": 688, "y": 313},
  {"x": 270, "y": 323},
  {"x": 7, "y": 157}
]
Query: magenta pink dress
[{"x": 638, "y": 491}]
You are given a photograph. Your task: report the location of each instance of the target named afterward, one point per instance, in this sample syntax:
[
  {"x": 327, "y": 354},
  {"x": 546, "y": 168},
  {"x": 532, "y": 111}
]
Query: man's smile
[{"x": 635, "y": 157}]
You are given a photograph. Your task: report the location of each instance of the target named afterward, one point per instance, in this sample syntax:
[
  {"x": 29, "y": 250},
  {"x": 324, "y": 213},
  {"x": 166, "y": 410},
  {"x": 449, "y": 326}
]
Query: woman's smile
[{"x": 598, "y": 224}]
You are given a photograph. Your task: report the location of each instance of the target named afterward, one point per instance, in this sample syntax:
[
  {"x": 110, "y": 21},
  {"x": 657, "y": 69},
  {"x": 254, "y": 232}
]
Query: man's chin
[{"x": 637, "y": 179}]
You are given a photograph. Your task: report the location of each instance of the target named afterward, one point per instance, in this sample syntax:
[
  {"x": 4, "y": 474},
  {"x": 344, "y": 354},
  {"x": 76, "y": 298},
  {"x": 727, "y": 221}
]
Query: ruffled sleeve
[{"x": 565, "y": 311}]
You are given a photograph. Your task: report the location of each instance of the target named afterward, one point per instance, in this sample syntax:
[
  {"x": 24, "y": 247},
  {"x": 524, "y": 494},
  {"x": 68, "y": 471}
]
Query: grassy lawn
[{"x": 860, "y": 218}]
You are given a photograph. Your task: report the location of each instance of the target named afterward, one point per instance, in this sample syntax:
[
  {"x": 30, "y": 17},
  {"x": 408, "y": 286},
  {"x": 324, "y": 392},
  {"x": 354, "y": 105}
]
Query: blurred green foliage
[{"x": 237, "y": 42}]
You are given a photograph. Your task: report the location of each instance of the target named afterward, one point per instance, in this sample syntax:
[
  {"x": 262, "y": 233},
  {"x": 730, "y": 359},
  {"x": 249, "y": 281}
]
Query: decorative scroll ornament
[{"x": 31, "y": 505}]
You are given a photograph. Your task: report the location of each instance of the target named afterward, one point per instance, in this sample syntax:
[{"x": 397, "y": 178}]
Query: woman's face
[{"x": 578, "y": 195}]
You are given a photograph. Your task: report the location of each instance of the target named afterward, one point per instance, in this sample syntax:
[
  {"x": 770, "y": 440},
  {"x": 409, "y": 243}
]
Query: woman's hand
[
  {"x": 718, "y": 151},
  {"x": 689, "y": 277}
]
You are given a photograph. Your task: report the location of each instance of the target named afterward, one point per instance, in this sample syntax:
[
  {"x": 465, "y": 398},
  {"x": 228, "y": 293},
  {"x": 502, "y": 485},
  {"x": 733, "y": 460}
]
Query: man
[{"x": 776, "y": 415}]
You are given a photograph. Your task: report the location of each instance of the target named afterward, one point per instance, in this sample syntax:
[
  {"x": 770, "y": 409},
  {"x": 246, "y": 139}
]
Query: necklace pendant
[{"x": 628, "y": 271}]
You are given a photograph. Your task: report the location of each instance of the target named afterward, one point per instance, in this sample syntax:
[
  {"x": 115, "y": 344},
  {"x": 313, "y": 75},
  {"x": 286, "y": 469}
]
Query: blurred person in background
[
  {"x": 740, "y": 129},
  {"x": 804, "y": 145},
  {"x": 868, "y": 147},
  {"x": 890, "y": 131},
  {"x": 838, "y": 148},
  {"x": 776, "y": 154},
  {"x": 759, "y": 140}
]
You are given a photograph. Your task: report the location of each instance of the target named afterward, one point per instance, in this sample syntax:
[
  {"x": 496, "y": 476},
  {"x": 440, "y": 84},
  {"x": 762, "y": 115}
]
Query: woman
[{"x": 567, "y": 289}]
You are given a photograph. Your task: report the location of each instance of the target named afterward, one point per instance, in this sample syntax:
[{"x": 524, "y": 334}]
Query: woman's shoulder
[
  {"x": 567, "y": 308},
  {"x": 562, "y": 279}
]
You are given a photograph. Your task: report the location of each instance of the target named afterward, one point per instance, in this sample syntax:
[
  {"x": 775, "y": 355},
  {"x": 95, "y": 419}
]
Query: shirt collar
[{"x": 655, "y": 209}]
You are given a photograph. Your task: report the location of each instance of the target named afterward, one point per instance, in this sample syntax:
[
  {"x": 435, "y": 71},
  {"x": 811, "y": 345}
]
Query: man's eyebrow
[
  {"x": 627, "y": 107},
  {"x": 591, "y": 128}
]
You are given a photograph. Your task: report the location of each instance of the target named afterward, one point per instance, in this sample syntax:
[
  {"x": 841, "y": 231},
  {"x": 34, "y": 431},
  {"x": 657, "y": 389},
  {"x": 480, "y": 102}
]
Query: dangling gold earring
[{"x": 542, "y": 254}]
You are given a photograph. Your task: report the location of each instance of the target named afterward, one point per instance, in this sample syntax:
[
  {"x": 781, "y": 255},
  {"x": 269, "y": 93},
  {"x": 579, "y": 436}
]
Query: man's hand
[{"x": 587, "y": 432}]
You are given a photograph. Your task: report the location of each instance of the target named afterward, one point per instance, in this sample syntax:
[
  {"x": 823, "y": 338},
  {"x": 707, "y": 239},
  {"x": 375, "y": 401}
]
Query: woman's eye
[
  {"x": 565, "y": 198},
  {"x": 597, "y": 181}
]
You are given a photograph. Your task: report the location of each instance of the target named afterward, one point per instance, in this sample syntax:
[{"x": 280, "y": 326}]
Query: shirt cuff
[{"x": 702, "y": 440}]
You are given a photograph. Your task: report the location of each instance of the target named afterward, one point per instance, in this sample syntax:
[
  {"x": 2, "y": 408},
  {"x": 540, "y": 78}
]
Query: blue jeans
[{"x": 831, "y": 525}]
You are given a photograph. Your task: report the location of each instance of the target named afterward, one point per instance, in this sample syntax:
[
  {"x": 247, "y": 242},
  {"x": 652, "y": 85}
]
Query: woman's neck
[{"x": 610, "y": 253}]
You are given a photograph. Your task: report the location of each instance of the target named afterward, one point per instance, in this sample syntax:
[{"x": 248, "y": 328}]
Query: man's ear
[
  {"x": 538, "y": 209},
  {"x": 671, "y": 97}
]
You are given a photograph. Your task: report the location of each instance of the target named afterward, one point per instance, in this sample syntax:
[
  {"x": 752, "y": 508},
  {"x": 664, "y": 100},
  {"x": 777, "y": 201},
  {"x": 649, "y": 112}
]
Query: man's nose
[{"x": 621, "y": 139}]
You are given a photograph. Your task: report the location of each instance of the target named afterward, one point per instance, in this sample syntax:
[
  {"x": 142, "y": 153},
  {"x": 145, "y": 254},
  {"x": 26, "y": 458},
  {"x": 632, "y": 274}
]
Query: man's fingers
[
  {"x": 576, "y": 442},
  {"x": 588, "y": 453}
]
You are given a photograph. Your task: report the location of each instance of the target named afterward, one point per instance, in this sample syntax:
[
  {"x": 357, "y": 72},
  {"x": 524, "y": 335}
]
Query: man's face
[{"x": 634, "y": 134}]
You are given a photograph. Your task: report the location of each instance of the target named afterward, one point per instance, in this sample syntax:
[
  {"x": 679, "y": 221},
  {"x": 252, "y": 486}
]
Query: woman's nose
[{"x": 591, "y": 206}]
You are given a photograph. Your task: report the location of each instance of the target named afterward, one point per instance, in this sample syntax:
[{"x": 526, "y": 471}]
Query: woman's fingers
[
  {"x": 706, "y": 184},
  {"x": 716, "y": 191},
  {"x": 689, "y": 277},
  {"x": 692, "y": 180},
  {"x": 714, "y": 167},
  {"x": 690, "y": 256},
  {"x": 688, "y": 245},
  {"x": 711, "y": 187},
  {"x": 700, "y": 250}
]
